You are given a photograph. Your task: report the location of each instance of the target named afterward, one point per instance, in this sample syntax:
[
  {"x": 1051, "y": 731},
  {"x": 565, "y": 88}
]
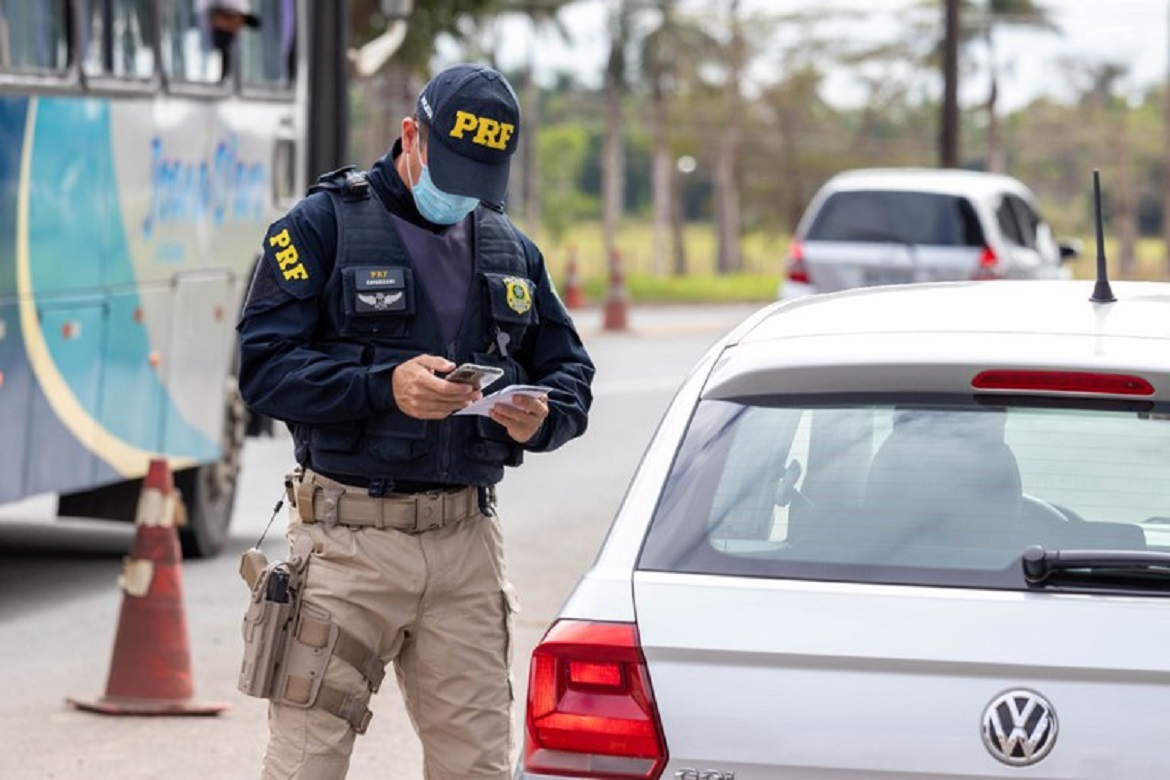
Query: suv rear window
[
  {"x": 897, "y": 217},
  {"x": 938, "y": 491}
]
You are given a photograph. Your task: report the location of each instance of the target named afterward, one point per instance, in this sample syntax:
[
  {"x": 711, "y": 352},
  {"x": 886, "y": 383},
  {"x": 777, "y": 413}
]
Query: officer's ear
[
  {"x": 414, "y": 133},
  {"x": 409, "y": 132}
]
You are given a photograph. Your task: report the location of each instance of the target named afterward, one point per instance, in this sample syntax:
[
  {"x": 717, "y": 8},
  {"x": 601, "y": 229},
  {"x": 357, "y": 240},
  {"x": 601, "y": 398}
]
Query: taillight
[
  {"x": 797, "y": 270},
  {"x": 591, "y": 710},
  {"x": 1062, "y": 382},
  {"x": 988, "y": 267}
]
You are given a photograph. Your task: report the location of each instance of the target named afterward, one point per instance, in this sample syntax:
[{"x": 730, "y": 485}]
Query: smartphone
[{"x": 475, "y": 375}]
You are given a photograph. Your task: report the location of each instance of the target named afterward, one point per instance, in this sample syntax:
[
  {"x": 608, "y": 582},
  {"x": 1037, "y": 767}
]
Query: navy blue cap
[{"x": 474, "y": 121}]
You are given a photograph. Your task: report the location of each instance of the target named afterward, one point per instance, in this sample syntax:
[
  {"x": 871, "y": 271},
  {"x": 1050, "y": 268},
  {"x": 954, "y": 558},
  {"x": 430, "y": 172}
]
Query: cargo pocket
[
  {"x": 307, "y": 657},
  {"x": 510, "y": 305},
  {"x": 377, "y": 300},
  {"x": 511, "y": 609}
]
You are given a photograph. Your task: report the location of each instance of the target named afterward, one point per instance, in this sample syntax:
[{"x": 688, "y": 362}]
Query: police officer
[{"x": 370, "y": 290}]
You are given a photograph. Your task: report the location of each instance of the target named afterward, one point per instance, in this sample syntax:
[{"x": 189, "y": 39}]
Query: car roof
[
  {"x": 948, "y": 181},
  {"x": 936, "y": 337}
]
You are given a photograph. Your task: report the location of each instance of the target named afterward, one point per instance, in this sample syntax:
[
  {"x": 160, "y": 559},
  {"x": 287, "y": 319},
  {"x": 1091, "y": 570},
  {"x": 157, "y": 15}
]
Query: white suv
[
  {"x": 913, "y": 531},
  {"x": 901, "y": 225}
]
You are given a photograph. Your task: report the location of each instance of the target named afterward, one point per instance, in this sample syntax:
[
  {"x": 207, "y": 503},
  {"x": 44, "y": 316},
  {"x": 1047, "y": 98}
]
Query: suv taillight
[
  {"x": 988, "y": 266},
  {"x": 591, "y": 710},
  {"x": 797, "y": 270}
]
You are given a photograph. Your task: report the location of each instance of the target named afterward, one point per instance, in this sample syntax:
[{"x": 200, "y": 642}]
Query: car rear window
[
  {"x": 897, "y": 217},
  {"x": 941, "y": 491}
]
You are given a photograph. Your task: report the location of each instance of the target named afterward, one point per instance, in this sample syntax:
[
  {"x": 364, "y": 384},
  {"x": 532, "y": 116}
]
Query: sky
[{"x": 1132, "y": 33}]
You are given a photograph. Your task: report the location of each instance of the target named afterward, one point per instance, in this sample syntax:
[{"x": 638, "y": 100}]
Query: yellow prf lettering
[
  {"x": 281, "y": 239},
  {"x": 287, "y": 257},
  {"x": 506, "y": 131},
  {"x": 489, "y": 132},
  {"x": 463, "y": 122}
]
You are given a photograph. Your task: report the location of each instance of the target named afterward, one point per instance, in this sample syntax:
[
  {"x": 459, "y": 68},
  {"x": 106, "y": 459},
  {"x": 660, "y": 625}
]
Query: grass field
[{"x": 763, "y": 265}]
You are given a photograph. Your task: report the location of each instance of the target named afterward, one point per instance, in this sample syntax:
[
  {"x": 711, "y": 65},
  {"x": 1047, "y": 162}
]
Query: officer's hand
[
  {"x": 419, "y": 393},
  {"x": 522, "y": 417}
]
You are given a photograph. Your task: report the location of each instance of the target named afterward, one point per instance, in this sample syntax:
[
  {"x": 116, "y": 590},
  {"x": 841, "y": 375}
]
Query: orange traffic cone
[
  {"x": 574, "y": 291},
  {"x": 150, "y": 673},
  {"x": 616, "y": 299}
]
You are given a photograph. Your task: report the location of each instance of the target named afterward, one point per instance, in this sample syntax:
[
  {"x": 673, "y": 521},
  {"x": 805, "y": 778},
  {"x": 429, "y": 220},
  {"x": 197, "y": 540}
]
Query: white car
[
  {"x": 901, "y": 225},
  {"x": 918, "y": 531}
]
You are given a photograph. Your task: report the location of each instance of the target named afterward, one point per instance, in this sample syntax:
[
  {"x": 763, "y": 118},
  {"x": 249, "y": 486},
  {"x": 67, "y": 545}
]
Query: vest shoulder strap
[
  {"x": 501, "y": 249},
  {"x": 348, "y": 182}
]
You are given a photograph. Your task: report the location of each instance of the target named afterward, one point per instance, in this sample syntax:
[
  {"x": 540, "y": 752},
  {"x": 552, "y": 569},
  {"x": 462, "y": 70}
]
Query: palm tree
[
  {"x": 671, "y": 54},
  {"x": 988, "y": 14},
  {"x": 728, "y": 219},
  {"x": 613, "y": 159},
  {"x": 1103, "y": 96},
  {"x": 543, "y": 16}
]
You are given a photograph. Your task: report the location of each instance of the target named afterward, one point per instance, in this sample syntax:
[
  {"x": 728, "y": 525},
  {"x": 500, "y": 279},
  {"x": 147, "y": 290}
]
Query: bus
[{"x": 145, "y": 146}]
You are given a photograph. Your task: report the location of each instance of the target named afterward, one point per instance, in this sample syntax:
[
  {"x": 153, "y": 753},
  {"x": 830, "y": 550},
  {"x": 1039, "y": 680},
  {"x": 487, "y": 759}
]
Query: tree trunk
[
  {"x": 949, "y": 126},
  {"x": 677, "y": 227},
  {"x": 1166, "y": 176},
  {"x": 1127, "y": 217},
  {"x": 727, "y": 212},
  {"x": 661, "y": 179},
  {"x": 996, "y": 162},
  {"x": 613, "y": 156},
  {"x": 529, "y": 145},
  {"x": 996, "y": 159}
]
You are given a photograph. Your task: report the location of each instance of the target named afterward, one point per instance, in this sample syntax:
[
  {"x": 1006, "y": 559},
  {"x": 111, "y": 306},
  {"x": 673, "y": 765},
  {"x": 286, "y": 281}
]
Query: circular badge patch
[{"x": 519, "y": 298}]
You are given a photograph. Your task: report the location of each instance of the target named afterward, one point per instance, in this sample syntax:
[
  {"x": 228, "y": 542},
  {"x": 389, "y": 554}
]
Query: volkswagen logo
[{"x": 1019, "y": 727}]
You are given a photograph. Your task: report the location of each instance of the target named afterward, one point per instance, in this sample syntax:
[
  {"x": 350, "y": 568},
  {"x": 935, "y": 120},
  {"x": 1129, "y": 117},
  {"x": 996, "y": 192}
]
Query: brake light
[
  {"x": 1062, "y": 382},
  {"x": 988, "y": 265},
  {"x": 797, "y": 270},
  {"x": 591, "y": 710}
]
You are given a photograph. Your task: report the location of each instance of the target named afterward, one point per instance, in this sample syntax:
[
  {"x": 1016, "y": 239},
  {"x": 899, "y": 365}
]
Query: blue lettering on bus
[{"x": 225, "y": 188}]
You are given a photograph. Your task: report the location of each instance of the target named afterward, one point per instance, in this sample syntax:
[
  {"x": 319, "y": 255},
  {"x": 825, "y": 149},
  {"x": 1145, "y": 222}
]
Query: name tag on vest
[{"x": 379, "y": 289}]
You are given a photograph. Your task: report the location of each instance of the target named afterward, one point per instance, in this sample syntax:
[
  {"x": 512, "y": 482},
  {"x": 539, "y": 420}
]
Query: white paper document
[{"x": 484, "y": 405}]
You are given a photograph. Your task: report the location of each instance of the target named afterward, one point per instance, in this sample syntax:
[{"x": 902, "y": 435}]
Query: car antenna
[{"x": 1102, "y": 292}]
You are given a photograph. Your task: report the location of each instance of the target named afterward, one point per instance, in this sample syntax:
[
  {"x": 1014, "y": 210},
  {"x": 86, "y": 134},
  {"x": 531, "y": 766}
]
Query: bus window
[
  {"x": 189, "y": 53},
  {"x": 34, "y": 37},
  {"x": 117, "y": 39},
  {"x": 268, "y": 57}
]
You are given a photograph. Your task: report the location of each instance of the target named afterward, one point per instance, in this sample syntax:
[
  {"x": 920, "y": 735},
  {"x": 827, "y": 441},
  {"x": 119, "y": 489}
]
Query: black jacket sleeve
[
  {"x": 553, "y": 355},
  {"x": 284, "y": 372}
]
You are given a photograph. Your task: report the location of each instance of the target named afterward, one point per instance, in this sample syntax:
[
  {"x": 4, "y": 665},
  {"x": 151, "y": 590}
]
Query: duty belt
[{"x": 322, "y": 500}]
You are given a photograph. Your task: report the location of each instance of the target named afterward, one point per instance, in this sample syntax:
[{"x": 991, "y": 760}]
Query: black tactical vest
[{"x": 374, "y": 312}]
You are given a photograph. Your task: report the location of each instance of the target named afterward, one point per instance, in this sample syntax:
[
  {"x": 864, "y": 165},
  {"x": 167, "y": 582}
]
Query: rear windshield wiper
[{"x": 1122, "y": 567}]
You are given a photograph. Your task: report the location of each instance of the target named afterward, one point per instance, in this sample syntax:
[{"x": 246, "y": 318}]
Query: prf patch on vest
[
  {"x": 378, "y": 290},
  {"x": 280, "y": 249},
  {"x": 489, "y": 132},
  {"x": 519, "y": 297}
]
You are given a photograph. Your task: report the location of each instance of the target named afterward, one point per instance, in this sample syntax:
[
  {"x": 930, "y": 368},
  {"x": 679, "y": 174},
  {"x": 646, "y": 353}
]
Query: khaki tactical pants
[{"x": 437, "y": 604}]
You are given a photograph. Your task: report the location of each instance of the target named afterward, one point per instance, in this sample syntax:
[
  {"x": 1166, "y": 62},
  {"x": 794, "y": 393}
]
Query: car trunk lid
[
  {"x": 841, "y": 265},
  {"x": 774, "y": 679}
]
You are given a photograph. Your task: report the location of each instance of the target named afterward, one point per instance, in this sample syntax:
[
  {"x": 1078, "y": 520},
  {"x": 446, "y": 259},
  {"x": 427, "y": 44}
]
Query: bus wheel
[{"x": 209, "y": 491}]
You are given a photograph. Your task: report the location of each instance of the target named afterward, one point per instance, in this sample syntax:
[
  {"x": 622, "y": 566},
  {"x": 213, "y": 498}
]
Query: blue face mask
[{"x": 437, "y": 206}]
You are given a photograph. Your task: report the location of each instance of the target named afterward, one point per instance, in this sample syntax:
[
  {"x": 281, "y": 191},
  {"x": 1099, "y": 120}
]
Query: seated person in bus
[{"x": 227, "y": 18}]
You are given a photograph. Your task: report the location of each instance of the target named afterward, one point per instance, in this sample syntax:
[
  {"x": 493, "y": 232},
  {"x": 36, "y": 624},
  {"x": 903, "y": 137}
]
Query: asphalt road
[{"x": 59, "y": 601}]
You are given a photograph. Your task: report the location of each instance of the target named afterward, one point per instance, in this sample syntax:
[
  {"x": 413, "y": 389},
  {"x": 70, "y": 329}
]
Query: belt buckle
[{"x": 428, "y": 511}]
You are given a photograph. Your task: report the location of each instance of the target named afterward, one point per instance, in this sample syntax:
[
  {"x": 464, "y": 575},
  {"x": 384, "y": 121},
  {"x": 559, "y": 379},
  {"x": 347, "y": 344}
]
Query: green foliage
[
  {"x": 428, "y": 21},
  {"x": 793, "y": 138},
  {"x": 563, "y": 151}
]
